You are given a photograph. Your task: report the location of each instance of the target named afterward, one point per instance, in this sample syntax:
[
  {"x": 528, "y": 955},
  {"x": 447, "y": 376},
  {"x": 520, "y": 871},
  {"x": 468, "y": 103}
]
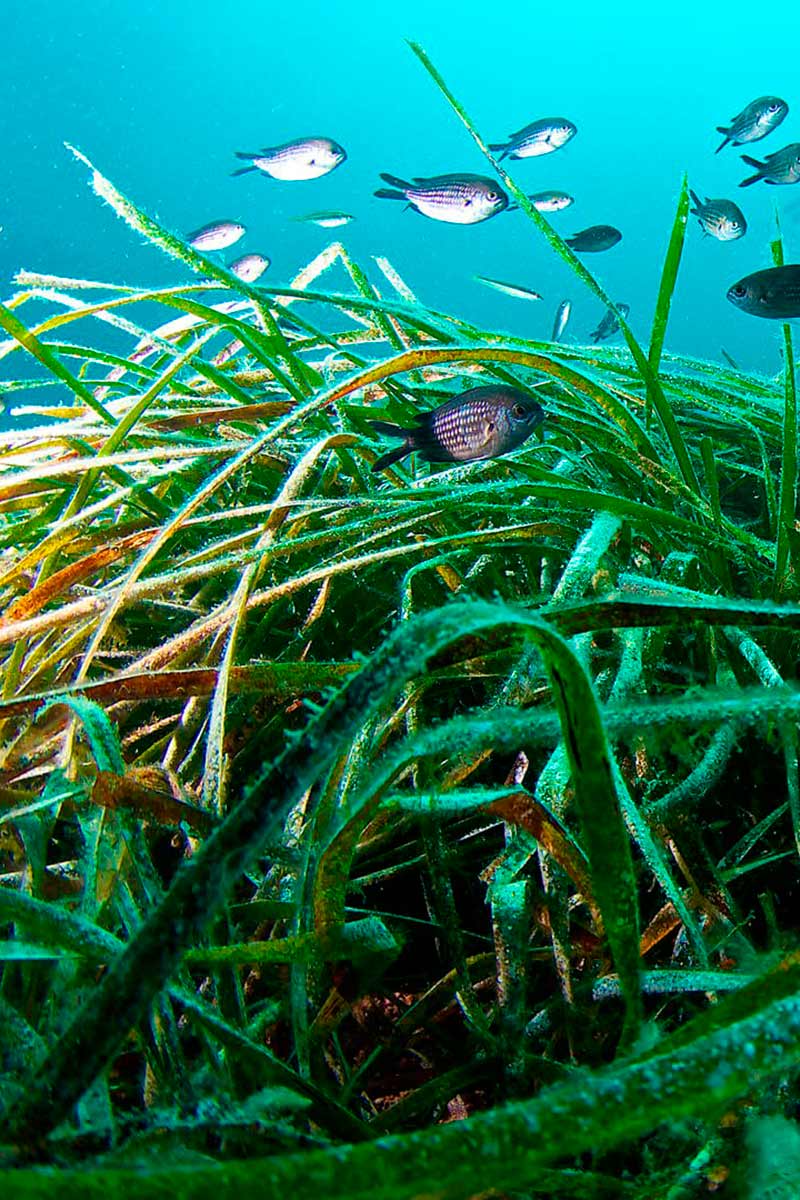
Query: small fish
[
  {"x": 728, "y": 359},
  {"x": 594, "y": 239},
  {"x": 722, "y": 219},
  {"x": 754, "y": 122},
  {"x": 609, "y": 325},
  {"x": 483, "y": 422},
  {"x": 540, "y": 137},
  {"x": 562, "y": 317},
  {"x": 509, "y": 289},
  {"x": 773, "y": 293},
  {"x": 249, "y": 267},
  {"x": 304, "y": 158},
  {"x": 218, "y": 235},
  {"x": 551, "y": 201},
  {"x": 327, "y": 220},
  {"x": 781, "y": 167},
  {"x": 458, "y": 199}
]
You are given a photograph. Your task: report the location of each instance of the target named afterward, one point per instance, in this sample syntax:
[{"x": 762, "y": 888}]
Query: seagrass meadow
[{"x": 431, "y": 833}]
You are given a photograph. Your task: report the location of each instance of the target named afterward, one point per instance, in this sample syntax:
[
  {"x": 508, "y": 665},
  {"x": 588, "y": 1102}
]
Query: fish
[
  {"x": 326, "y": 220},
  {"x": 304, "y": 158},
  {"x": 509, "y": 289},
  {"x": 217, "y": 235},
  {"x": 594, "y": 239},
  {"x": 781, "y": 167},
  {"x": 729, "y": 360},
  {"x": 249, "y": 267},
  {"x": 754, "y": 122},
  {"x": 540, "y": 137},
  {"x": 483, "y": 422},
  {"x": 550, "y": 201},
  {"x": 722, "y": 219},
  {"x": 562, "y": 317},
  {"x": 773, "y": 293},
  {"x": 457, "y": 199},
  {"x": 609, "y": 325}
]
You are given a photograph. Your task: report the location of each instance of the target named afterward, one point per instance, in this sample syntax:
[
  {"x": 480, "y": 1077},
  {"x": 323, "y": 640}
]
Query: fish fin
[
  {"x": 726, "y": 130},
  {"x": 244, "y": 170},
  {"x": 769, "y": 183},
  {"x": 389, "y": 194},
  {"x": 512, "y": 207},
  {"x": 395, "y": 182},
  {"x": 497, "y": 145},
  {"x": 752, "y": 162},
  {"x": 695, "y": 200},
  {"x": 244, "y": 154}
]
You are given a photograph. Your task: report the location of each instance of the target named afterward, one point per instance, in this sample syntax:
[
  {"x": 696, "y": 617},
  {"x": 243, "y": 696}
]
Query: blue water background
[{"x": 160, "y": 95}]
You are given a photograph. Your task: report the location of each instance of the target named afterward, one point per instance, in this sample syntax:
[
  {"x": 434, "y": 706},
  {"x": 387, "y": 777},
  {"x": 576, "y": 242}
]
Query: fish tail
[
  {"x": 392, "y": 456},
  {"x": 389, "y": 194},
  {"x": 244, "y": 170},
  {"x": 752, "y": 162},
  {"x": 723, "y": 129},
  {"x": 395, "y": 182},
  {"x": 244, "y": 154},
  {"x": 695, "y": 200},
  {"x": 503, "y": 146}
]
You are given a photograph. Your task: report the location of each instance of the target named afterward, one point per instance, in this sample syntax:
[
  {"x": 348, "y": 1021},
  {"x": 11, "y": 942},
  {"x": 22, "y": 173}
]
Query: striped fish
[
  {"x": 457, "y": 199},
  {"x": 754, "y": 122},
  {"x": 304, "y": 158},
  {"x": 483, "y": 422},
  {"x": 722, "y": 219},
  {"x": 540, "y": 137},
  {"x": 781, "y": 167}
]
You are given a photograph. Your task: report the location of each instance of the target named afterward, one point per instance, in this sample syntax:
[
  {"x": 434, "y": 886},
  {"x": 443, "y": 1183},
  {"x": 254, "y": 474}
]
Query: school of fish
[{"x": 487, "y": 422}]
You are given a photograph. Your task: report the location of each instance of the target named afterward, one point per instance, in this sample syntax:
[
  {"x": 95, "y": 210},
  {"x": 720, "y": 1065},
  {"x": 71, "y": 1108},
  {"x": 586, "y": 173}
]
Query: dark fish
[
  {"x": 609, "y": 325},
  {"x": 458, "y": 199},
  {"x": 781, "y": 167},
  {"x": 540, "y": 137},
  {"x": 730, "y": 361},
  {"x": 304, "y": 158},
  {"x": 483, "y": 422},
  {"x": 722, "y": 219},
  {"x": 561, "y": 319},
  {"x": 218, "y": 235},
  {"x": 773, "y": 293},
  {"x": 754, "y": 122},
  {"x": 594, "y": 239}
]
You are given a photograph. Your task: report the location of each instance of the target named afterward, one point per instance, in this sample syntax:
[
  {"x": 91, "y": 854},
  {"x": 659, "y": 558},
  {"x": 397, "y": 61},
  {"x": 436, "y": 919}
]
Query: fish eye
[
  {"x": 518, "y": 410},
  {"x": 492, "y": 196},
  {"x": 773, "y": 108},
  {"x": 739, "y": 290}
]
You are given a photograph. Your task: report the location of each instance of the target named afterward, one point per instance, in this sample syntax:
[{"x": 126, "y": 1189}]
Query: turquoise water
[{"x": 160, "y": 95}]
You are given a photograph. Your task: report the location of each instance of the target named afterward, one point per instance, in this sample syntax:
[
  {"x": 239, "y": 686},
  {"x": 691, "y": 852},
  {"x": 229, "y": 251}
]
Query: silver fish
[
  {"x": 249, "y": 267},
  {"x": 218, "y": 235},
  {"x": 594, "y": 239},
  {"x": 457, "y": 199},
  {"x": 327, "y": 220},
  {"x": 754, "y": 122},
  {"x": 609, "y": 325},
  {"x": 722, "y": 219},
  {"x": 483, "y": 422},
  {"x": 781, "y": 167},
  {"x": 562, "y": 317},
  {"x": 304, "y": 158},
  {"x": 540, "y": 137},
  {"x": 509, "y": 289},
  {"x": 773, "y": 293},
  {"x": 550, "y": 201}
]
